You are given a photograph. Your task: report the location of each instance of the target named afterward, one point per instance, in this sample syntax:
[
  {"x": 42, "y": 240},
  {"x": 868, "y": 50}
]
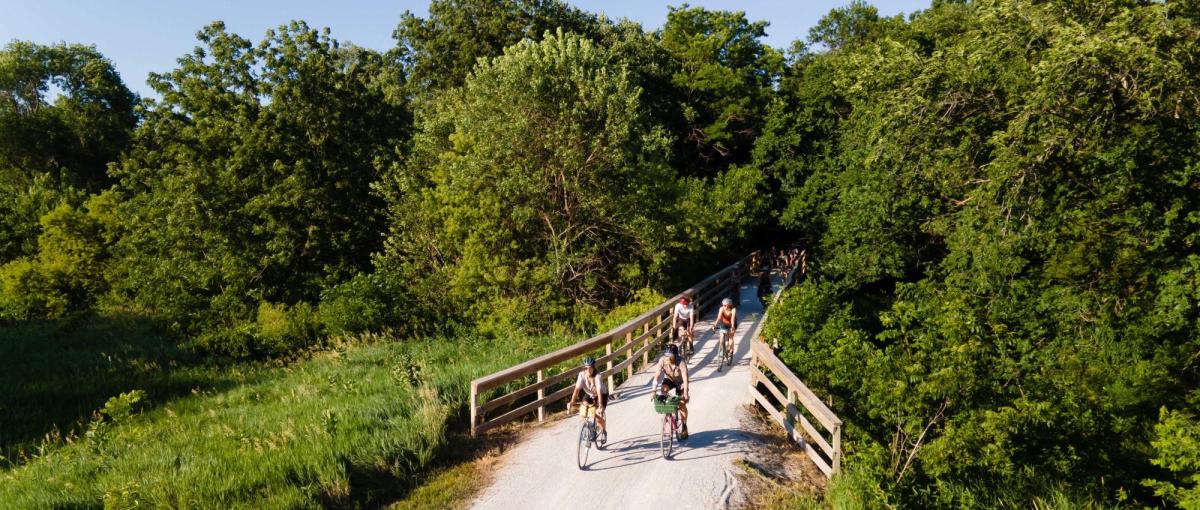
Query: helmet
[
  {"x": 673, "y": 352},
  {"x": 684, "y": 300},
  {"x": 589, "y": 361},
  {"x": 726, "y": 302}
]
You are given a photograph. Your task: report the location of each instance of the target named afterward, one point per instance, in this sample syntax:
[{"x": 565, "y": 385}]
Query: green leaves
[
  {"x": 67, "y": 274},
  {"x": 724, "y": 73},
  {"x": 544, "y": 178},
  {"x": 441, "y": 50},
  {"x": 250, "y": 180},
  {"x": 1177, "y": 446},
  {"x": 55, "y": 149},
  {"x": 996, "y": 208}
]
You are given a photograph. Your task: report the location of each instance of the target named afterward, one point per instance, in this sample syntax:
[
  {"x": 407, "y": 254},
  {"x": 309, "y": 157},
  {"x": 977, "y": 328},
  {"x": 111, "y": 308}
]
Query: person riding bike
[
  {"x": 726, "y": 323},
  {"x": 671, "y": 374},
  {"x": 683, "y": 322},
  {"x": 591, "y": 382}
]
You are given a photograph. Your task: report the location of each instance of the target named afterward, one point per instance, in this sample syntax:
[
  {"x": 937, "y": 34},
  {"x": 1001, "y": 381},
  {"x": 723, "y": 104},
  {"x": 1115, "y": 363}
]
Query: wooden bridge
[{"x": 533, "y": 388}]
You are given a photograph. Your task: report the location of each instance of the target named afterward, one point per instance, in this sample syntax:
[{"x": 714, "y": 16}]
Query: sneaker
[{"x": 683, "y": 432}]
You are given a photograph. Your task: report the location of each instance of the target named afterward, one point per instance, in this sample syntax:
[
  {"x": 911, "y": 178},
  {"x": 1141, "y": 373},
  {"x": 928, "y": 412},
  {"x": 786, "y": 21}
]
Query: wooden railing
[
  {"x": 631, "y": 341},
  {"x": 765, "y": 369}
]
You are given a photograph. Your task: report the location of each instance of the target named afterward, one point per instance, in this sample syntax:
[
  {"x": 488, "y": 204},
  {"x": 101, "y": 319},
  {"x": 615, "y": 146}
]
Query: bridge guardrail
[
  {"x": 635, "y": 339},
  {"x": 827, "y": 454}
]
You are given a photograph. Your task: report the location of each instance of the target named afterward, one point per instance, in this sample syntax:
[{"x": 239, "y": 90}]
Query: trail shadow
[{"x": 699, "y": 445}]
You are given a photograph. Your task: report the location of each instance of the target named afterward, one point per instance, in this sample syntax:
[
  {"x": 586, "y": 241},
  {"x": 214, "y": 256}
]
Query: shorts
[
  {"x": 592, "y": 400},
  {"x": 683, "y": 328},
  {"x": 669, "y": 384}
]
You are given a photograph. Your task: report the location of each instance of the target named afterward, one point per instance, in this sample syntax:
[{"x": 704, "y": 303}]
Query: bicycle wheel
[
  {"x": 585, "y": 444},
  {"x": 665, "y": 439},
  {"x": 728, "y": 355},
  {"x": 721, "y": 353}
]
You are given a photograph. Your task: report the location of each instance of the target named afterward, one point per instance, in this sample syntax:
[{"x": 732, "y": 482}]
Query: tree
[
  {"x": 725, "y": 74},
  {"x": 856, "y": 23},
  {"x": 55, "y": 148},
  {"x": 536, "y": 190},
  {"x": 1004, "y": 293},
  {"x": 250, "y": 179},
  {"x": 441, "y": 50}
]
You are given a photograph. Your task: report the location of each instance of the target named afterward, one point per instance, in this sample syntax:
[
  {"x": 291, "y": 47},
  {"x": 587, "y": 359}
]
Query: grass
[
  {"x": 55, "y": 374},
  {"x": 359, "y": 424}
]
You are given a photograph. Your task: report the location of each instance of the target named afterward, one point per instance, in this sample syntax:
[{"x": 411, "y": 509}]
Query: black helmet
[
  {"x": 589, "y": 361},
  {"x": 673, "y": 352}
]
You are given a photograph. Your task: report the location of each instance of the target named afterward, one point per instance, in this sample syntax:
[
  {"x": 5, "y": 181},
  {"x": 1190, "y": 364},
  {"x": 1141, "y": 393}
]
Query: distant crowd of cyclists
[{"x": 670, "y": 372}]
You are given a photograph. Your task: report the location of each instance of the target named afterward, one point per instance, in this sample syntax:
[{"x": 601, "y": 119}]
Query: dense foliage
[
  {"x": 65, "y": 115},
  {"x": 1003, "y": 208},
  {"x": 249, "y": 184}
]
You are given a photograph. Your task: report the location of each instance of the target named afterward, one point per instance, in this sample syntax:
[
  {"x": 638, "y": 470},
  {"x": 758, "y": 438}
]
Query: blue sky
[{"x": 141, "y": 36}]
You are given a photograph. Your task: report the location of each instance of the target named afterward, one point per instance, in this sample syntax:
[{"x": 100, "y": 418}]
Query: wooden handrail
[
  {"x": 765, "y": 369},
  {"x": 646, "y": 329}
]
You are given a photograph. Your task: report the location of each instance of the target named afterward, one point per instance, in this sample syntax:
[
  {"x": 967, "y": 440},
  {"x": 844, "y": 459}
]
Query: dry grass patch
[{"x": 776, "y": 474}]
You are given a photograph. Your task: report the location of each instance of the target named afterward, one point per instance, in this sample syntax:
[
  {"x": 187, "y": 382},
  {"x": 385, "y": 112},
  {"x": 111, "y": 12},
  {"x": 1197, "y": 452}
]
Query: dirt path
[{"x": 630, "y": 472}]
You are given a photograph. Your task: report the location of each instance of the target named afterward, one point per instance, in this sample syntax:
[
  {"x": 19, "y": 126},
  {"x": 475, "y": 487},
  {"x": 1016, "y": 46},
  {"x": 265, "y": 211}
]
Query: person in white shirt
[
  {"x": 595, "y": 392},
  {"x": 683, "y": 322}
]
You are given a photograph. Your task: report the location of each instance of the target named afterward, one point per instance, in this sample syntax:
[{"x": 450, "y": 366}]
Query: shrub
[
  {"x": 280, "y": 329},
  {"x": 354, "y": 306},
  {"x": 1177, "y": 448},
  {"x": 276, "y": 329},
  {"x": 66, "y": 275}
]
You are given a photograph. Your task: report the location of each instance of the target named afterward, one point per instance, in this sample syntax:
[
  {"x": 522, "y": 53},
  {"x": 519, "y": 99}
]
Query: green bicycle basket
[{"x": 667, "y": 405}]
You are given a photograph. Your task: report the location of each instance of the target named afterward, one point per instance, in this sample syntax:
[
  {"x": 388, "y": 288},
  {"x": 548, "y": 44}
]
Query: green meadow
[{"x": 350, "y": 425}]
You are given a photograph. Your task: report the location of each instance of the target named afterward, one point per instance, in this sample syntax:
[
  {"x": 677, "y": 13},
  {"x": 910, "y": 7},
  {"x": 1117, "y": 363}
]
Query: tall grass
[
  {"x": 54, "y": 374},
  {"x": 353, "y": 425}
]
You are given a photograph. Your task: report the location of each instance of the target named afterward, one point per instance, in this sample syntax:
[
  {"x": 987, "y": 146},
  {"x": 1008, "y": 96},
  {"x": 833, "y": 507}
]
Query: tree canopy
[{"x": 250, "y": 179}]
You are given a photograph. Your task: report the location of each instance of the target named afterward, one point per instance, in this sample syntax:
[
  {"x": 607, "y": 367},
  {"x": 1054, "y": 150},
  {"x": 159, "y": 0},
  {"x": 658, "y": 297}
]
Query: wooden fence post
[
  {"x": 788, "y": 407},
  {"x": 474, "y": 408},
  {"x": 541, "y": 374},
  {"x": 646, "y": 341},
  {"x": 629, "y": 356},
  {"x": 607, "y": 351},
  {"x": 837, "y": 449}
]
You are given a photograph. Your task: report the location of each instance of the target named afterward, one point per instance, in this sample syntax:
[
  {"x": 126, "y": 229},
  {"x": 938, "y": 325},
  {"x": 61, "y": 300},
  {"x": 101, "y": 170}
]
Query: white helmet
[{"x": 726, "y": 302}]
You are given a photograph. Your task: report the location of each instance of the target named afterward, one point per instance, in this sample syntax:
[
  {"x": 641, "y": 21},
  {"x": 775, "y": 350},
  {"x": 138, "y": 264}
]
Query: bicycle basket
[
  {"x": 667, "y": 405},
  {"x": 587, "y": 410}
]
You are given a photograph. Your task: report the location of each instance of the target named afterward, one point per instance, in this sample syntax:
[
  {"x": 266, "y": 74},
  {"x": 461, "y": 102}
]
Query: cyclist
[
  {"x": 682, "y": 321},
  {"x": 591, "y": 382},
  {"x": 671, "y": 374},
  {"x": 727, "y": 323}
]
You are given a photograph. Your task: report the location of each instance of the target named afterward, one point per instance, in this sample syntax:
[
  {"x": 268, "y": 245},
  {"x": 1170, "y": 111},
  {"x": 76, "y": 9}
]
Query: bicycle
[
  {"x": 669, "y": 408},
  {"x": 724, "y": 337},
  {"x": 684, "y": 341},
  {"x": 587, "y": 433}
]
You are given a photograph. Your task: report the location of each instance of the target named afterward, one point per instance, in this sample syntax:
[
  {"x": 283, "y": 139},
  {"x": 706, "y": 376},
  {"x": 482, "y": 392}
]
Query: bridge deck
[{"x": 630, "y": 472}]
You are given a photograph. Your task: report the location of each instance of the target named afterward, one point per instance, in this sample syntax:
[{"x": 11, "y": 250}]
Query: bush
[
  {"x": 354, "y": 306},
  {"x": 280, "y": 329},
  {"x": 67, "y": 273},
  {"x": 277, "y": 329},
  {"x": 26, "y": 293},
  {"x": 1177, "y": 448}
]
